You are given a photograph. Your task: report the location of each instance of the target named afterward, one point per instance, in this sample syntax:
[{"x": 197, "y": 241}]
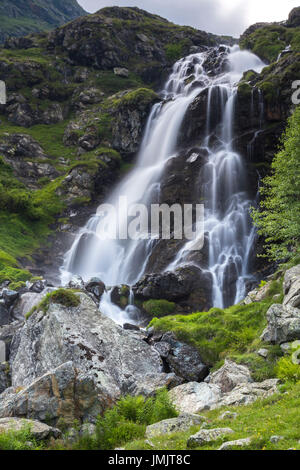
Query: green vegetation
[
  {"x": 221, "y": 333},
  {"x": 141, "y": 96},
  {"x": 65, "y": 297},
  {"x": 175, "y": 51},
  {"x": 19, "y": 440},
  {"x": 110, "y": 83},
  {"x": 278, "y": 218},
  {"x": 276, "y": 415},
  {"x": 287, "y": 371},
  {"x": 126, "y": 421},
  {"x": 244, "y": 89},
  {"x": 269, "y": 41},
  {"x": 159, "y": 308}
]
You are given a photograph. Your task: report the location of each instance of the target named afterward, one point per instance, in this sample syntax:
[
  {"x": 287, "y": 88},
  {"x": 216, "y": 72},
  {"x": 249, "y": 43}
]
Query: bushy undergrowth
[
  {"x": 19, "y": 440},
  {"x": 278, "y": 217},
  {"x": 126, "y": 421}
]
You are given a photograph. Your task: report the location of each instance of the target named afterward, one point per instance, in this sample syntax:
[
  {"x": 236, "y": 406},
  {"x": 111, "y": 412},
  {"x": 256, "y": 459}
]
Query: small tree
[{"x": 278, "y": 218}]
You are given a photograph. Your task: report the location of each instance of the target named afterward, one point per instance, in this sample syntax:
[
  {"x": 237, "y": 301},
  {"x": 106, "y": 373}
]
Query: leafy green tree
[{"x": 278, "y": 218}]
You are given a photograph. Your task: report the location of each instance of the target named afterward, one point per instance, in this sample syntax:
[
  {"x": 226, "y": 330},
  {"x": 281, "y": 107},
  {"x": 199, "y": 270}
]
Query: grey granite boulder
[
  {"x": 194, "y": 397},
  {"x": 169, "y": 426},
  {"x": 283, "y": 324},
  {"x": 102, "y": 362},
  {"x": 39, "y": 431},
  {"x": 204, "y": 436},
  {"x": 229, "y": 376}
]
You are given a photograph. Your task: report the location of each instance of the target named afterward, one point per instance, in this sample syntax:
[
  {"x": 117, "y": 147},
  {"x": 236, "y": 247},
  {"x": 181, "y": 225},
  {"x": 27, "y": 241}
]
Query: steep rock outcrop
[
  {"x": 77, "y": 362},
  {"x": 127, "y": 37}
]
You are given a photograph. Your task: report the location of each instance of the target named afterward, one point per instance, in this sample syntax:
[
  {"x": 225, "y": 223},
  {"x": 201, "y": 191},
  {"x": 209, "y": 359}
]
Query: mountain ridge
[{"x": 21, "y": 17}]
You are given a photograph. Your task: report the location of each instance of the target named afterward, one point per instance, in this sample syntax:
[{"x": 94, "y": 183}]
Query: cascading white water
[
  {"x": 119, "y": 262},
  {"x": 227, "y": 221}
]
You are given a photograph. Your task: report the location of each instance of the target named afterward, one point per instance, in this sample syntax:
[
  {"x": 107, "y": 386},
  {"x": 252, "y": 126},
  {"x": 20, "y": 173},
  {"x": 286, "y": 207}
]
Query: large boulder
[
  {"x": 169, "y": 426},
  {"x": 101, "y": 359},
  {"x": 194, "y": 397},
  {"x": 229, "y": 376},
  {"x": 188, "y": 284},
  {"x": 204, "y": 436},
  {"x": 247, "y": 393},
  {"x": 39, "y": 431},
  {"x": 228, "y": 445},
  {"x": 182, "y": 359},
  {"x": 291, "y": 276},
  {"x": 63, "y": 393},
  {"x": 283, "y": 324},
  {"x": 26, "y": 303},
  {"x": 291, "y": 287}
]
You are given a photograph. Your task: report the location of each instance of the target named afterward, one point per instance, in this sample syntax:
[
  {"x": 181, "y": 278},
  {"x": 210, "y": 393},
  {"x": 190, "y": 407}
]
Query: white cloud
[{"x": 216, "y": 16}]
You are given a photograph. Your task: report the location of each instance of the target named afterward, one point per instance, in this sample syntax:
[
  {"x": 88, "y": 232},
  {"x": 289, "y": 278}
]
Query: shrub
[
  {"x": 19, "y": 440},
  {"x": 278, "y": 217},
  {"x": 126, "y": 421},
  {"x": 287, "y": 371}
]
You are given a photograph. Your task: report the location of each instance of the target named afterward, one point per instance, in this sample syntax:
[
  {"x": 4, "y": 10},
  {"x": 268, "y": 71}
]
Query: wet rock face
[{"x": 188, "y": 286}]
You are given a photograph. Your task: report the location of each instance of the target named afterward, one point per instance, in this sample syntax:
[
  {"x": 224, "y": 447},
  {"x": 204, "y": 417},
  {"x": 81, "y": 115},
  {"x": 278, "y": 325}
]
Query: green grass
[
  {"x": 159, "y": 308},
  {"x": 276, "y": 415},
  {"x": 50, "y": 137},
  {"x": 34, "y": 54},
  {"x": 219, "y": 333},
  {"x": 269, "y": 41}
]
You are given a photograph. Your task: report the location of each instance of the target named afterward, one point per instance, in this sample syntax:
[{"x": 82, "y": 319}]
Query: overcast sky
[{"x": 217, "y": 16}]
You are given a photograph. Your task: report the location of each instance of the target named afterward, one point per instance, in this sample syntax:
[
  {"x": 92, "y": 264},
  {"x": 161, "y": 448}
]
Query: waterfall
[{"x": 227, "y": 221}]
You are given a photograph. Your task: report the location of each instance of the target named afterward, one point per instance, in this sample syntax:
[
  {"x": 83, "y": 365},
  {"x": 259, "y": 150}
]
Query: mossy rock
[
  {"x": 159, "y": 308},
  {"x": 65, "y": 297}
]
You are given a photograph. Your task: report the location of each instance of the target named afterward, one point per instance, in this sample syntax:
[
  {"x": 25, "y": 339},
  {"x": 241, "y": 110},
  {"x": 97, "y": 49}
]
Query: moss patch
[
  {"x": 65, "y": 297},
  {"x": 159, "y": 308}
]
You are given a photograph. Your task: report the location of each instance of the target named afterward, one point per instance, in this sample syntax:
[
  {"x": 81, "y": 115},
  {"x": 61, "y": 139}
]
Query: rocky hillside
[
  {"x": 21, "y": 17},
  {"x": 78, "y": 100}
]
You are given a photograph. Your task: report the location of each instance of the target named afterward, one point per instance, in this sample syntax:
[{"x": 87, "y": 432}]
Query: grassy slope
[
  {"x": 276, "y": 415},
  {"x": 269, "y": 41},
  {"x": 232, "y": 333}
]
